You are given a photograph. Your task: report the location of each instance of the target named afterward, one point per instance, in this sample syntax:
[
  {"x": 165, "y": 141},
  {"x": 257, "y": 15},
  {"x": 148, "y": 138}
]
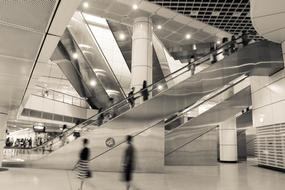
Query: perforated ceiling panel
[
  {"x": 229, "y": 15},
  {"x": 32, "y": 15},
  {"x": 23, "y": 24}
]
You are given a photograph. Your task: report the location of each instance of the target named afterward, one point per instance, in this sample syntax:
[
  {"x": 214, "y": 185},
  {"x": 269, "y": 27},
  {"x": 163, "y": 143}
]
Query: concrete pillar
[
  {"x": 228, "y": 140},
  {"x": 3, "y": 127},
  {"x": 141, "y": 52}
]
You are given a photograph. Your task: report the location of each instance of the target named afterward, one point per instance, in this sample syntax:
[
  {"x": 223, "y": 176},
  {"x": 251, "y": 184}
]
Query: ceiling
[
  {"x": 232, "y": 16},
  {"x": 175, "y": 26},
  {"x": 22, "y": 29}
]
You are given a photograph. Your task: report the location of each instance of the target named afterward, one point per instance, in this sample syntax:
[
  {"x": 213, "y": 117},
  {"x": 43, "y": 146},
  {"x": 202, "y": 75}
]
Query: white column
[
  {"x": 3, "y": 127},
  {"x": 141, "y": 52},
  {"x": 228, "y": 140}
]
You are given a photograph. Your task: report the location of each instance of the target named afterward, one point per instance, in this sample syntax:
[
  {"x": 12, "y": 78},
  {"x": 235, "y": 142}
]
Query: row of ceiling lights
[{"x": 122, "y": 36}]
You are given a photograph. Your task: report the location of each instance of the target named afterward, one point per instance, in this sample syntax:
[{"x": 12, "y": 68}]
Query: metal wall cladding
[
  {"x": 192, "y": 146},
  {"x": 149, "y": 150}
]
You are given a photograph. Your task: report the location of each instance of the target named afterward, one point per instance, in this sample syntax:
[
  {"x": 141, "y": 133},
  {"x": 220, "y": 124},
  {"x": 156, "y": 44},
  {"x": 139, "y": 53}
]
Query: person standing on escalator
[
  {"x": 144, "y": 91},
  {"x": 131, "y": 98}
]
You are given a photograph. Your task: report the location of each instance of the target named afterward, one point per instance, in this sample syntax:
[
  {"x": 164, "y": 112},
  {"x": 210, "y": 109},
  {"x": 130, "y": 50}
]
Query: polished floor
[{"x": 222, "y": 177}]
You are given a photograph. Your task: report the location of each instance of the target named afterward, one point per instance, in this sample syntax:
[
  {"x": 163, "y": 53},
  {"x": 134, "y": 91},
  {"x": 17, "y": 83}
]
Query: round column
[
  {"x": 3, "y": 127},
  {"x": 228, "y": 140},
  {"x": 141, "y": 52}
]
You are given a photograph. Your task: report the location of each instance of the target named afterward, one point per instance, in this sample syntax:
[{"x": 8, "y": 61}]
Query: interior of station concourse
[{"x": 142, "y": 94}]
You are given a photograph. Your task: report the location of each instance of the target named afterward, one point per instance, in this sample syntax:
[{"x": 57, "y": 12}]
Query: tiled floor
[{"x": 222, "y": 177}]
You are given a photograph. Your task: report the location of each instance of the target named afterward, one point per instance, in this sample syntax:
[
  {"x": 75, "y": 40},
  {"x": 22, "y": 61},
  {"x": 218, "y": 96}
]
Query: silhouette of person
[
  {"x": 233, "y": 45},
  {"x": 129, "y": 162},
  {"x": 112, "y": 112},
  {"x": 213, "y": 54},
  {"x": 131, "y": 97},
  {"x": 100, "y": 118},
  {"x": 82, "y": 165},
  {"x": 144, "y": 91},
  {"x": 244, "y": 38}
]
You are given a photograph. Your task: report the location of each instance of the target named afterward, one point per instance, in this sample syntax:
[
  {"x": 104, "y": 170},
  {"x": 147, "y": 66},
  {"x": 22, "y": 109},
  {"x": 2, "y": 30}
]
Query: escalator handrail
[
  {"x": 220, "y": 92},
  {"x": 86, "y": 123},
  {"x": 207, "y": 99}
]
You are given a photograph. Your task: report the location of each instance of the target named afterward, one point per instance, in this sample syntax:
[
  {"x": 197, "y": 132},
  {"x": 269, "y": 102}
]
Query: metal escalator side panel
[{"x": 83, "y": 34}]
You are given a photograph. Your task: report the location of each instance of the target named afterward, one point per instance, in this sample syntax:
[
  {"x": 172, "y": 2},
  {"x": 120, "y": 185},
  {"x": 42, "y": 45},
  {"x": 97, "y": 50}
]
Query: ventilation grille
[{"x": 50, "y": 116}]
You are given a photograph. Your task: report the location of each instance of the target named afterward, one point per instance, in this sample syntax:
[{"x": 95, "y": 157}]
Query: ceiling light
[
  {"x": 215, "y": 13},
  {"x": 194, "y": 13},
  {"x": 92, "y": 83},
  {"x": 236, "y": 14},
  {"x": 122, "y": 36},
  {"x": 219, "y": 42},
  {"x": 135, "y": 6},
  {"x": 160, "y": 87},
  {"x": 187, "y": 36},
  {"x": 194, "y": 47},
  {"x": 159, "y": 27},
  {"x": 75, "y": 56},
  {"x": 85, "y": 5}
]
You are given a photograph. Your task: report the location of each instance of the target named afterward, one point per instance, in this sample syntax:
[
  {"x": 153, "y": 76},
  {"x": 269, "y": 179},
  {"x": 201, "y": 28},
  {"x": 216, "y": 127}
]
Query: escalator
[
  {"x": 80, "y": 57},
  {"x": 146, "y": 121},
  {"x": 192, "y": 141}
]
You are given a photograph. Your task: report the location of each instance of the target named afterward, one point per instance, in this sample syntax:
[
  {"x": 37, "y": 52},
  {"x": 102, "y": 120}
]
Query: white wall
[
  {"x": 268, "y": 98},
  {"x": 51, "y": 106}
]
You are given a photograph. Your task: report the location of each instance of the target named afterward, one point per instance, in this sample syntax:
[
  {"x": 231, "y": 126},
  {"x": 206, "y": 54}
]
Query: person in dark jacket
[
  {"x": 131, "y": 97},
  {"x": 129, "y": 162},
  {"x": 233, "y": 45},
  {"x": 100, "y": 117},
  {"x": 244, "y": 38},
  {"x": 144, "y": 91},
  {"x": 82, "y": 165}
]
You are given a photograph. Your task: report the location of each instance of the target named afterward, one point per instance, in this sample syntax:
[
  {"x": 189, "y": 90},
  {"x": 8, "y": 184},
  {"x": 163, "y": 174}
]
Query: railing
[
  {"x": 209, "y": 97},
  {"x": 60, "y": 97},
  {"x": 124, "y": 105}
]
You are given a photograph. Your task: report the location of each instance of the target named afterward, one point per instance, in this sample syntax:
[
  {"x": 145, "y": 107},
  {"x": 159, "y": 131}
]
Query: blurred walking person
[
  {"x": 83, "y": 164},
  {"x": 129, "y": 162}
]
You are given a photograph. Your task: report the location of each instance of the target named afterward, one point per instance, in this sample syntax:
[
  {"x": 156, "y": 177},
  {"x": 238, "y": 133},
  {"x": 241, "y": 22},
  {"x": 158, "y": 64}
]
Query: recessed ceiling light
[
  {"x": 188, "y": 36},
  {"x": 160, "y": 87},
  {"x": 194, "y": 13},
  {"x": 75, "y": 56},
  {"x": 236, "y": 14},
  {"x": 92, "y": 83},
  {"x": 122, "y": 36},
  {"x": 215, "y": 13},
  {"x": 219, "y": 42},
  {"x": 85, "y": 5},
  {"x": 135, "y": 6},
  {"x": 159, "y": 27}
]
